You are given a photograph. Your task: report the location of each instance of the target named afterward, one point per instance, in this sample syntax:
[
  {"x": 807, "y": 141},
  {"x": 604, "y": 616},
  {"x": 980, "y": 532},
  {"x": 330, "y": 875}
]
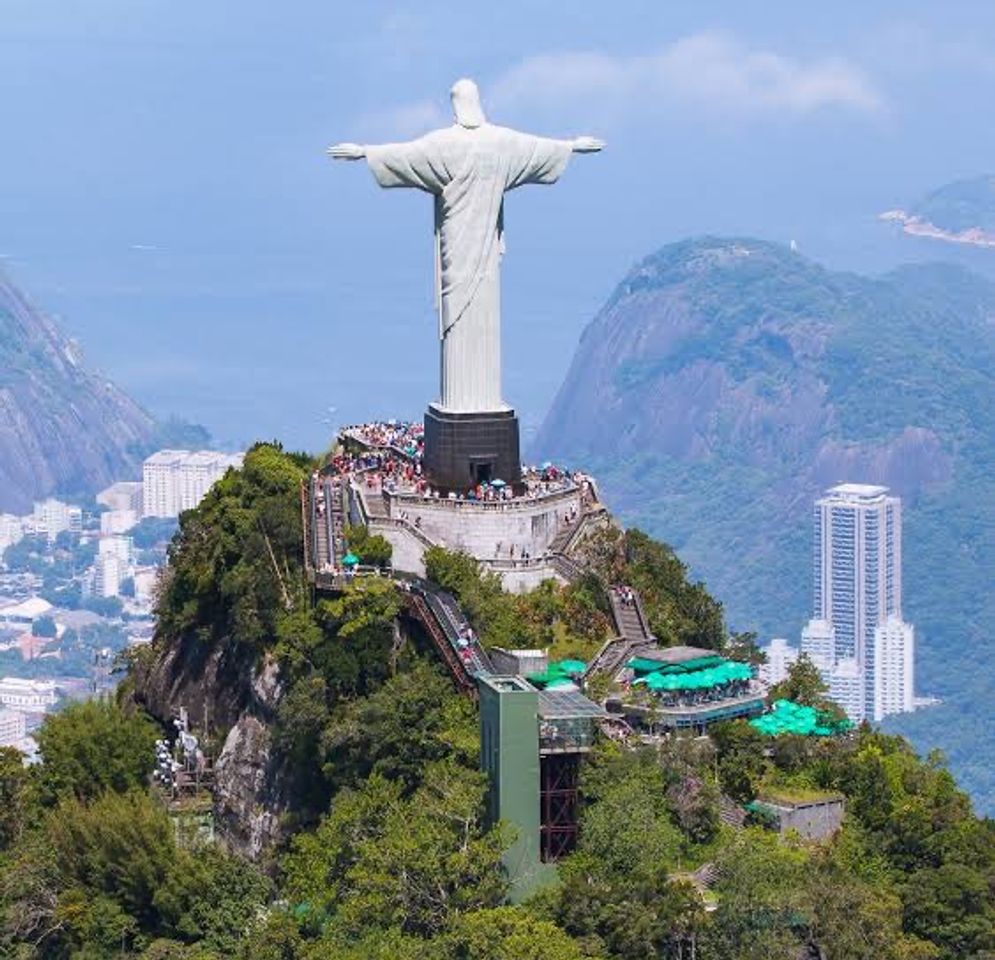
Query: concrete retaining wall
[{"x": 488, "y": 531}]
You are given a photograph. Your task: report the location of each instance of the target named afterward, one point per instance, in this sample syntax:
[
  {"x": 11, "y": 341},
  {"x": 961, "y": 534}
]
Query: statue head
[{"x": 466, "y": 104}]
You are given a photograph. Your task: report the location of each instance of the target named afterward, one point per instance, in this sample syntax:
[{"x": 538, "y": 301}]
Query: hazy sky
[{"x": 165, "y": 190}]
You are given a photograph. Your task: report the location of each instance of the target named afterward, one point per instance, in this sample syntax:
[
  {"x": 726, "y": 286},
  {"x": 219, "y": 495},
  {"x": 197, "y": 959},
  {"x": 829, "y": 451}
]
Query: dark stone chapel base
[{"x": 464, "y": 449}]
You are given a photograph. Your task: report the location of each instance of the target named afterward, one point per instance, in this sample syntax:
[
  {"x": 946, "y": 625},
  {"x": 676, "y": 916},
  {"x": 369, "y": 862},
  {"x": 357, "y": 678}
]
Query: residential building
[
  {"x": 819, "y": 645},
  {"x": 780, "y": 656},
  {"x": 13, "y": 728},
  {"x": 145, "y": 581},
  {"x": 847, "y": 688},
  {"x": 24, "y": 613},
  {"x": 176, "y": 480},
  {"x": 52, "y": 517},
  {"x": 117, "y": 521},
  {"x": 124, "y": 495},
  {"x": 857, "y": 579},
  {"x": 11, "y": 530},
  {"x": 27, "y": 696},
  {"x": 121, "y": 547},
  {"x": 894, "y": 654},
  {"x": 108, "y": 572}
]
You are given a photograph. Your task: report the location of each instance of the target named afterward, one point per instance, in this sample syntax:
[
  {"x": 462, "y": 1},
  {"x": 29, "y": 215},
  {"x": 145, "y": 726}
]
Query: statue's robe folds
[{"x": 468, "y": 171}]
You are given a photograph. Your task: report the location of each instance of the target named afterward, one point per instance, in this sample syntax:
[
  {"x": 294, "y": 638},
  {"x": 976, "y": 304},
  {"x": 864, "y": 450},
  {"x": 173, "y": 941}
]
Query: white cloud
[{"x": 703, "y": 70}]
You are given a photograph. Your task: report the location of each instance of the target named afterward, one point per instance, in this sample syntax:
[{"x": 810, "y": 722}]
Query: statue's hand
[
  {"x": 347, "y": 151},
  {"x": 588, "y": 145}
]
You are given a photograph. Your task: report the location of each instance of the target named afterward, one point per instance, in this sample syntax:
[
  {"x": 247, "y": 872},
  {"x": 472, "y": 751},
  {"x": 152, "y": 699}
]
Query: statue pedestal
[{"x": 464, "y": 449}]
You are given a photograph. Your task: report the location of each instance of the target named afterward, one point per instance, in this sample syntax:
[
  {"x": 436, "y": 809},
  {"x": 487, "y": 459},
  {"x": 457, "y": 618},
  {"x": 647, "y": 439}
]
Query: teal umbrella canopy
[
  {"x": 571, "y": 666},
  {"x": 350, "y": 559}
]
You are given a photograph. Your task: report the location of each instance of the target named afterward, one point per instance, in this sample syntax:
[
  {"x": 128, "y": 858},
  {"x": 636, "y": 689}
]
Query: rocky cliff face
[
  {"x": 225, "y": 693},
  {"x": 726, "y": 382},
  {"x": 62, "y": 428}
]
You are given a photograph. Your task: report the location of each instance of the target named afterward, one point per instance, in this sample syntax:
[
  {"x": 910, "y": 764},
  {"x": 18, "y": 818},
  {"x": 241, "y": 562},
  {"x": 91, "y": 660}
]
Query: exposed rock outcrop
[
  {"x": 727, "y": 381},
  {"x": 225, "y": 693},
  {"x": 62, "y": 428}
]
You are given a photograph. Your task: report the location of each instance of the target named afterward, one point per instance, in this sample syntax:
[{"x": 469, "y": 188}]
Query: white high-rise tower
[{"x": 857, "y": 587}]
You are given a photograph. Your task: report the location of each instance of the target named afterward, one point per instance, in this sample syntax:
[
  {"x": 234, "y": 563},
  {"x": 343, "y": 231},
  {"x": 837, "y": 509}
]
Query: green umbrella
[
  {"x": 571, "y": 666},
  {"x": 350, "y": 559},
  {"x": 656, "y": 681}
]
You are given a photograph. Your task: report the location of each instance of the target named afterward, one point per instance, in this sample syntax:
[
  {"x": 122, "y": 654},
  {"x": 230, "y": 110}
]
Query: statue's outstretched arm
[
  {"x": 347, "y": 151},
  {"x": 587, "y": 145}
]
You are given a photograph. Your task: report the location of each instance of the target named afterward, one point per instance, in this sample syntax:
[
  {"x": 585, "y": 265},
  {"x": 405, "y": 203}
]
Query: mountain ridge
[
  {"x": 727, "y": 381},
  {"x": 63, "y": 429}
]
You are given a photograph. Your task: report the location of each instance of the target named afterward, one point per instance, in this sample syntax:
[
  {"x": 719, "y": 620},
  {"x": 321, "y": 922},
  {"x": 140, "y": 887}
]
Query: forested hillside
[
  {"x": 385, "y": 853},
  {"x": 727, "y": 382}
]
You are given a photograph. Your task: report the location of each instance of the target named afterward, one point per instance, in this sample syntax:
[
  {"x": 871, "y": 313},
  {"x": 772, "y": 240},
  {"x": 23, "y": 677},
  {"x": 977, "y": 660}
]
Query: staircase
[
  {"x": 567, "y": 538},
  {"x": 319, "y": 527},
  {"x": 633, "y": 632},
  {"x": 630, "y": 620},
  {"x": 567, "y": 568},
  {"x": 731, "y": 813},
  {"x": 335, "y": 516},
  {"x": 706, "y": 875},
  {"x": 445, "y": 625}
]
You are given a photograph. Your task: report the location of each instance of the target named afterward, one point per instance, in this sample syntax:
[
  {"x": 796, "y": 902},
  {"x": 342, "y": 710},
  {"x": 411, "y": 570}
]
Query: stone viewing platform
[{"x": 522, "y": 534}]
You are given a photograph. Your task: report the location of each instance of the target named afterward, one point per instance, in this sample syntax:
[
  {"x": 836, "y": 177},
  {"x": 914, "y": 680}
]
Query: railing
[
  {"x": 566, "y": 568},
  {"x": 420, "y": 608},
  {"x": 498, "y": 506},
  {"x": 449, "y": 615},
  {"x": 417, "y": 532},
  {"x": 340, "y": 579},
  {"x": 643, "y": 619}
]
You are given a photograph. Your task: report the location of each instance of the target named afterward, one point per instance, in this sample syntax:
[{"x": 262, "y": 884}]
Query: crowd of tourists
[
  {"x": 625, "y": 595},
  {"x": 389, "y": 456},
  {"x": 402, "y": 435}
]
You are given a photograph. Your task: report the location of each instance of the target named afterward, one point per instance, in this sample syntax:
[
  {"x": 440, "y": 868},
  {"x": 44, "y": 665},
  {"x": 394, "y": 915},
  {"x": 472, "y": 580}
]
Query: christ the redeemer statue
[{"x": 468, "y": 167}]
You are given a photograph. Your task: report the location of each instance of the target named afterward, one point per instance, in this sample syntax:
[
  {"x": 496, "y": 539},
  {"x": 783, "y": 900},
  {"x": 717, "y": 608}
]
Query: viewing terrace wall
[
  {"x": 485, "y": 530},
  {"x": 490, "y": 530}
]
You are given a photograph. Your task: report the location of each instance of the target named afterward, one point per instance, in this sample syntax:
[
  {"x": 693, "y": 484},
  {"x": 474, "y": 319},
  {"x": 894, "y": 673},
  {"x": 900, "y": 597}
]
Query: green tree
[
  {"x": 94, "y": 746},
  {"x": 951, "y": 906},
  {"x": 372, "y": 549},
  {"x": 210, "y": 898},
  {"x": 507, "y": 933},
  {"x": 16, "y": 799},
  {"x": 382, "y": 861},
  {"x": 110, "y": 607},
  {"x": 762, "y": 909},
  {"x": 742, "y": 764},
  {"x": 235, "y": 566},
  {"x": 415, "y": 719},
  {"x": 803, "y": 684},
  {"x": 44, "y": 627},
  {"x": 628, "y": 829},
  {"x": 93, "y": 878}
]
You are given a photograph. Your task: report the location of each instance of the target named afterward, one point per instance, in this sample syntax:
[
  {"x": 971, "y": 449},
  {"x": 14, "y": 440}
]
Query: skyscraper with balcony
[{"x": 857, "y": 577}]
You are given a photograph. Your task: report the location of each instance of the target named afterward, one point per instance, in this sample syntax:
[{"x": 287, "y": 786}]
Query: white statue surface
[{"x": 468, "y": 168}]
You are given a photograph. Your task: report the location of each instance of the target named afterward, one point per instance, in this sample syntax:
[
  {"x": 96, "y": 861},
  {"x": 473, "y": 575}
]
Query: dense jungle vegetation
[{"x": 388, "y": 855}]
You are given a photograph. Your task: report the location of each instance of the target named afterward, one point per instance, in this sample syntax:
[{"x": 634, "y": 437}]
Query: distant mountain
[
  {"x": 726, "y": 382},
  {"x": 959, "y": 212},
  {"x": 63, "y": 429}
]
